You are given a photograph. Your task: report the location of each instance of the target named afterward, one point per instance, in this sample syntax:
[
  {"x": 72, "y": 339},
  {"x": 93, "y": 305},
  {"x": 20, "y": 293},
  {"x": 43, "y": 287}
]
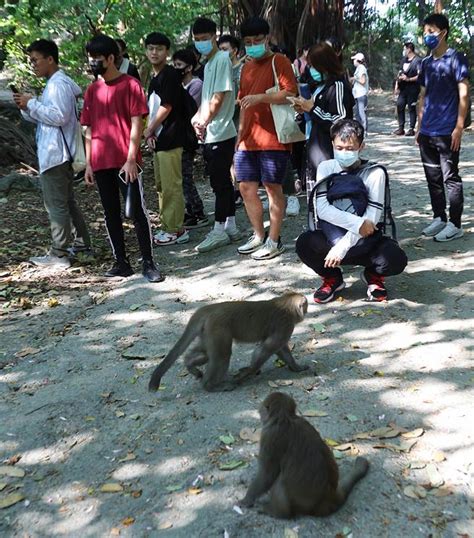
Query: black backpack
[{"x": 189, "y": 110}]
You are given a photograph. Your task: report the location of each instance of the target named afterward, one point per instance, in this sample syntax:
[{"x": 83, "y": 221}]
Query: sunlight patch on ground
[
  {"x": 130, "y": 471},
  {"x": 175, "y": 465}
]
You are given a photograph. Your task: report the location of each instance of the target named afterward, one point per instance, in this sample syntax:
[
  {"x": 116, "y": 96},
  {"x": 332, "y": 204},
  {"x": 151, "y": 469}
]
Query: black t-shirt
[
  {"x": 167, "y": 85},
  {"x": 410, "y": 68}
]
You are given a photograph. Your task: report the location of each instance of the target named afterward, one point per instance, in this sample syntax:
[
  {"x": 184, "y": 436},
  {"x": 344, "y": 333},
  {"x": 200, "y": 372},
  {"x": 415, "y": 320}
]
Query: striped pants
[{"x": 441, "y": 168}]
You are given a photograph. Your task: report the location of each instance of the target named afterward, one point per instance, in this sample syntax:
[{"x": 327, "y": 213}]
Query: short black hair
[
  {"x": 409, "y": 45},
  {"x": 347, "y": 129},
  {"x": 204, "y": 26},
  {"x": 254, "y": 26},
  {"x": 45, "y": 47},
  {"x": 121, "y": 43},
  {"x": 102, "y": 45},
  {"x": 438, "y": 20},
  {"x": 157, "y": 38},
  {"x": 227, "y": 38},
  {"x": 185, "y": 55}
]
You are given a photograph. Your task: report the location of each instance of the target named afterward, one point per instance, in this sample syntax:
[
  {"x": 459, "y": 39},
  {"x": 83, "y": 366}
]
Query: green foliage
[{"x": 71, "y": 23}]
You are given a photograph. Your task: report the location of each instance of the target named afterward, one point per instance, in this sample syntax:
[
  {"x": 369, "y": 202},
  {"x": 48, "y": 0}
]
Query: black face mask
[
  {"x": 182, "y": 70},
  {"x": 97, "y": 67}
]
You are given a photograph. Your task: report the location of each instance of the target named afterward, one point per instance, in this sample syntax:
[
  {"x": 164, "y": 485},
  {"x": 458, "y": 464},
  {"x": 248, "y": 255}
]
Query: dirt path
[{"x": 75, "y": 366}]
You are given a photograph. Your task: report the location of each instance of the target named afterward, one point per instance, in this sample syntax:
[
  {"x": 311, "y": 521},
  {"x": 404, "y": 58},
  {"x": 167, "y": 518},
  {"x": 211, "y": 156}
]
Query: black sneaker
[
  {"x": 410, "y": 132},
  {"x": 399, "y": 132},
  {"x": 195, "y": 221},
  {"x": 151, "y": 271},
  {"x": 120, "y": 268},
  {"x": 331, "y": 284}
]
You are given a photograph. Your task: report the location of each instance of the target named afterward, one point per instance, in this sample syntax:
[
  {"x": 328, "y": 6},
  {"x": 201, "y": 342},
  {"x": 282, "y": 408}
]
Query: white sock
[
  {"x": 230, "y": 223},
  {"x": 219, "y": 227}
]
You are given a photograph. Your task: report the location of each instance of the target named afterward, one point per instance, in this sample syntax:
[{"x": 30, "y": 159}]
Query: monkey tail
[{"x": 178, "y": 349}]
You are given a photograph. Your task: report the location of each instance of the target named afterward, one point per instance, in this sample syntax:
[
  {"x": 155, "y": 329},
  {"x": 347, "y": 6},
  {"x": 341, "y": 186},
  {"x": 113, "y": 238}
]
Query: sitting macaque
[
  {"x": 271, "y": 323},
  {"x": 296, "y": 466}
]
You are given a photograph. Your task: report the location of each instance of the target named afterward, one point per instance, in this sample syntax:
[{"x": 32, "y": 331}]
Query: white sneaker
[
  {"x": 214, "y": 239},
  {"x": 435, "y": 227},
  {"x": 234, "y": 234},
  {"x": 166, "y": 238},
  {"x": 448, "y": 233},
  {"x": 269, "y": 250},
  {"x": 292, "y": 206},
  {"x": 253, "y": 244},
  {"x": 50, "y": 260},
  {"x": 265, "y": 204}
]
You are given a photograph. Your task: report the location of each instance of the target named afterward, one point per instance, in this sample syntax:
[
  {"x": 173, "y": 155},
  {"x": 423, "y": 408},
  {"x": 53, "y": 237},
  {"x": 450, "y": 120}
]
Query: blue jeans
[{"x": 360, "y": 111}]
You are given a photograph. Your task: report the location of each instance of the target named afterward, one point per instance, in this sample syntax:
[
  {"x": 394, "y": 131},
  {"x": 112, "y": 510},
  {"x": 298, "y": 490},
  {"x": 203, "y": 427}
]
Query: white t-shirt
[{"x": 359, "y": 90}]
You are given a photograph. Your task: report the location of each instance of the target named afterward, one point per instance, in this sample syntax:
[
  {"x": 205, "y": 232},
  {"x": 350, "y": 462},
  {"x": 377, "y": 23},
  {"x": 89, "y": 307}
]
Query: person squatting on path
[
  {"x": 260, "y": 156},
  {"x": 360, "y": 89},
  {"x": 443, "y": 109},
  {"x": 215, "y": 128},
  {"x": 55, "y": 117},
  {"x": 114, "y": 108},
  {"x": 342, "y": 236},
  {"x": 331, "y": 101},
  {"x": 165, "y": 135},
  {"x": 408, "y": 88},
  {"x": 185, "y": 62}
]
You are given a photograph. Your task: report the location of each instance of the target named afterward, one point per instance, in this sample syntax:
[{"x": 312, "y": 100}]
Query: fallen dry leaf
[
  {"x": 436, "y": 480},
  {"x": 414, "y": 433},
  {"x": 439, "y": 456},
  {"x": 404, "y": 446},
  {"x": 443, "y": 491},
  {"x": 129, "y": 457},
  {"x": 195, "y": 491},
  {"x": 344, "y": 447},
  {"x": 290, "y": 533},
  {"x": 10, "y": 500},
  {"x": 8, "y": 470},
  {"x": 136, "y": 494},
  {"x": 111, "y": 487},
  {"x": 280, "y": 383},
  {"x": 27, "y": 351},
  {"x": 114, "y": 531},
  {"x": 414, "y": 492},
  {"x": 13, "y": 459},
  {"x": 165, "y": 525},
  {"x": 250, "y": 434},
  {"x": 119, "y": 414},
  {"x": 314, "y": 413},
  {"x": 3, "y": 485},
  {"x": 53, "y": 302},
  {"x": 331, "y": 442},
  {"x": 128, "y": 521}
]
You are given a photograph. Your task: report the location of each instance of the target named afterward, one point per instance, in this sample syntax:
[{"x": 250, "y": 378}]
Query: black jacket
[{"x": 334, "y": 102}]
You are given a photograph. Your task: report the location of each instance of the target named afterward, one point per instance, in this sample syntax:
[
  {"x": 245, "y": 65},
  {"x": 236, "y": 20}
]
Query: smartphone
[{"x": 13, "y": 88}]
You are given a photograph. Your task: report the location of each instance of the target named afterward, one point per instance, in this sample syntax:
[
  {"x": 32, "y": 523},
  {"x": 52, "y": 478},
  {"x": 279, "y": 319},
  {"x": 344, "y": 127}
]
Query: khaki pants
[
  {"x": 169, "y": 185},
  {"x": 68, "y": 227}
]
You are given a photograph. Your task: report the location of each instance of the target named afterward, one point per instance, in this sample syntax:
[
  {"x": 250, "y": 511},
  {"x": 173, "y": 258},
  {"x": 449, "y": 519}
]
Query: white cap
[{"x": 359, "y": 57}]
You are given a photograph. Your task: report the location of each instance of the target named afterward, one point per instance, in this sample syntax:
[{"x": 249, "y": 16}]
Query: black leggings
[
  {"x": 110, "y": 186},
  {"x": 386, "y": 258},
  {"x": 407, "y": 98}
]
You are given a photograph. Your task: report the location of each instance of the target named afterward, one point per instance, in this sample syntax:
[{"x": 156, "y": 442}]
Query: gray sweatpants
[{"x": 68, "y": 227}]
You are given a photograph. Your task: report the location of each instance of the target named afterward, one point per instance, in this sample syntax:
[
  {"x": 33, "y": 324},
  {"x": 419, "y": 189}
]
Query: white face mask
[{"x": 346, "y": 158}]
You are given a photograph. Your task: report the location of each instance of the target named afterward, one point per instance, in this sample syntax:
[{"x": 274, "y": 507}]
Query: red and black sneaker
[
  {"x": 376, "y": 290},
  {"x": 331, "y": 284}
]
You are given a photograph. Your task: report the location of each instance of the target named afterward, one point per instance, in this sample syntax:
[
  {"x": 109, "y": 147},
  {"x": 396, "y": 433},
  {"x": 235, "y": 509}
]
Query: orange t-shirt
[{"x": 258, "y": 130}]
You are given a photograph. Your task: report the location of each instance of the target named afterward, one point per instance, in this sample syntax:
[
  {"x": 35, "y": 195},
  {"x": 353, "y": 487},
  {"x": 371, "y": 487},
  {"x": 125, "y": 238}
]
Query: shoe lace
[
  {"x": 373, "y": 279},
  {"x": 329, "y": 282}
]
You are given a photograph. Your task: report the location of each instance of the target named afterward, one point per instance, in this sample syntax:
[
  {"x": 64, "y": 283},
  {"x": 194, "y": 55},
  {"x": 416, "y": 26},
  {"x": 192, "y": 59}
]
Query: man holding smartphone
[
  {"x": 55, "y": 117},
  {"x": 114, "y": 108}
]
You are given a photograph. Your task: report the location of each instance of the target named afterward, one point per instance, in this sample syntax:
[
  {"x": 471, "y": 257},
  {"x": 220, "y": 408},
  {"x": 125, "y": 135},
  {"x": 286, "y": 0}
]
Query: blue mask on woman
[
  {"x": 346, "y": 158},
  {"x": 431, "y": 41},
  {"x": 204, "y": 47},
  {"x": 317, "y": 76},
  {"x": 256, "y": 51}
]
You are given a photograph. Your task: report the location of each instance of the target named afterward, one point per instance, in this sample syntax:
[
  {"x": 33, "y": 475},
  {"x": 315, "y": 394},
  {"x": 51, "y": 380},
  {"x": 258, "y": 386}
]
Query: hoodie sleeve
[
  {"x": 57, "y": 114},
  {"x": 375, "y": 183},
  {"x": 338, "y": 103}
]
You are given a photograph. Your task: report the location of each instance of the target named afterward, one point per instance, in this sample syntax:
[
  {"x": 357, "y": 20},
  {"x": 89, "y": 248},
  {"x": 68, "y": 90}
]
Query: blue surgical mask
[
  {"x": 346, "y": 158},
  {"x": 431, "y": 41},
  {"x": 256, "y": 51},
  {"x": 317, "y": 76},
  {"x": 204, "y": 47}
]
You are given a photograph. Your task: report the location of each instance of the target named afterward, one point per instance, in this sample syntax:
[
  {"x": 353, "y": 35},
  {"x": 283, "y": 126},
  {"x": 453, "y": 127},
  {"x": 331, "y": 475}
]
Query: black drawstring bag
[{"x": 132, "y": 195}]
